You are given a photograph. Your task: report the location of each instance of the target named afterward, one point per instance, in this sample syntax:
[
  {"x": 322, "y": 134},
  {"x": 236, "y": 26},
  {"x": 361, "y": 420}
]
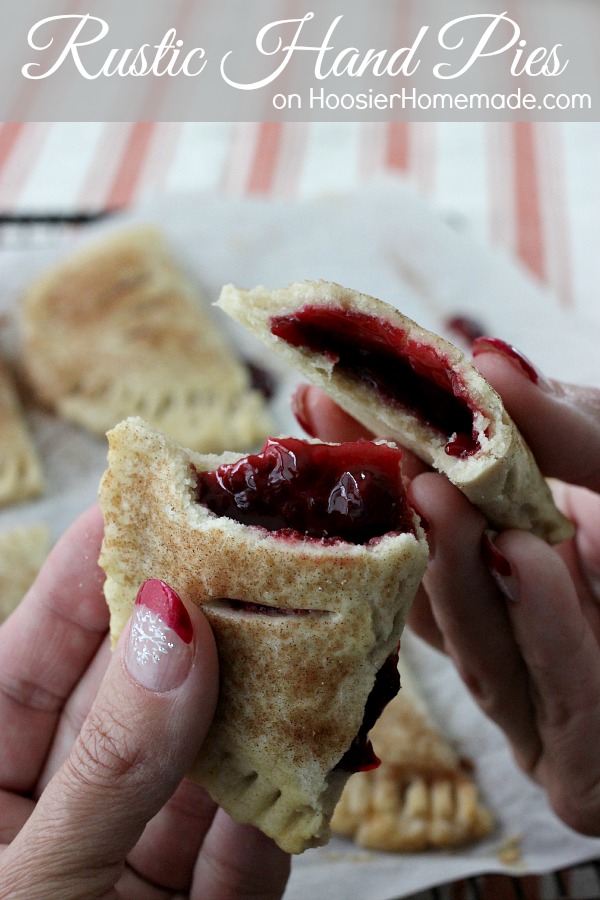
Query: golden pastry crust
[
  {"x": 23, "y": 549},
  {"x": 420, "y": 797},
  {"x": 293, "y": 688},
  {"x": 383, "y": 810},
  {"x": 501, "y": 478},
  {"x": 20, "y": 470},
  {"x": 118, "y": 329}
]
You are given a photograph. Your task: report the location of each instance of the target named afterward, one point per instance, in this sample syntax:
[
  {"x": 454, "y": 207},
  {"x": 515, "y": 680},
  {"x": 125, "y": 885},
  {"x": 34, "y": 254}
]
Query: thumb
[
  {"x": 144, "y": 730},
  {"x": 560, "y": 422}
]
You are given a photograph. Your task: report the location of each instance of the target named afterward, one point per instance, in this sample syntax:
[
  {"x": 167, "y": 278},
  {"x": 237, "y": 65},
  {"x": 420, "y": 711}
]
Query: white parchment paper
[{"x": 383, "y": 240}]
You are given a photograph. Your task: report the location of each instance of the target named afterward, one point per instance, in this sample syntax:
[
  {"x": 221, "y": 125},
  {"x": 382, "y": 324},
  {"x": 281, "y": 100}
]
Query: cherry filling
[
  {"x": 352, "y": 492},
  {"x": 360, "y": 756},
  {"x": 403, "y": 371},
  {"x": 248, "y": 606}
]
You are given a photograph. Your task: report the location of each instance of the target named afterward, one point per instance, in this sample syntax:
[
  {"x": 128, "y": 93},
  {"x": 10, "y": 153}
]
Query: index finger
[
  {"x": 46, "y": 645},
  {"x": 321, "y": 418},
  {"x": 560, "y": 649},
  {"x": 560, "y": 422}
]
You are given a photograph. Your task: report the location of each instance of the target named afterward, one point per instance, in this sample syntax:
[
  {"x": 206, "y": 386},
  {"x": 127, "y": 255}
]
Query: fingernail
[
  {"x": 525, "y": 366},
  {"x": 500, "y": 568},
  {"x": 465, "y": 327},
  {"x": 160, "y": 649},
  {"x": 299, "y": 408}
]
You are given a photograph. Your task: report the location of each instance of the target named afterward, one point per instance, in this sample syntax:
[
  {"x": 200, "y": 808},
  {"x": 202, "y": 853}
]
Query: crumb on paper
[
  {"x": 509, "y": 852},
  {"x": 359, "y": 856}
]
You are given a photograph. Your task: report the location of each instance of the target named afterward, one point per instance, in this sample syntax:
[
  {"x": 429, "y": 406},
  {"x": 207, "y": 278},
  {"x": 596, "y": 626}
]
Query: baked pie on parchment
[
  {"x": 23, "y": 549},
  {"x": 119, "y": 329},
  {"x": 305, "y": 558},
  {"x": 20, "y": 470},
  {"x": 421, "y": 796},
  {"x": 409, "y": 385}
]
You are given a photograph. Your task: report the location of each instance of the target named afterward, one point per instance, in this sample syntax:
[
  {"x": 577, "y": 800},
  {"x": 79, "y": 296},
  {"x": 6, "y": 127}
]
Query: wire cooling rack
[
  {"x": 578, "y": 883},
  {"x": 29, "y": 230}
]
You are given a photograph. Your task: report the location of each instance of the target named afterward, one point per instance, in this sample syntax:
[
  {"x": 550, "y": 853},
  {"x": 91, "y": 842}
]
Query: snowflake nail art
[
  {"x": 160, "y": 645},
  {"x": 149, "y": 637}
]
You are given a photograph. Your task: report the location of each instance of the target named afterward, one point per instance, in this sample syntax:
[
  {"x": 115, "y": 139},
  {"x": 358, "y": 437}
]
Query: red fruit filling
[
  {"x": 402, "y": 370},
  {"x": 360, "y": 756},
  {"x": 352, "y": 492}
]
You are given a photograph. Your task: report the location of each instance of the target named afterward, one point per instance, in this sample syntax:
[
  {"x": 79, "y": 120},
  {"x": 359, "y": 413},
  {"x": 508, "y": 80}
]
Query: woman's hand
[
  {"x": 94, "y": 748},
  {"x": 520, "y": 619}
]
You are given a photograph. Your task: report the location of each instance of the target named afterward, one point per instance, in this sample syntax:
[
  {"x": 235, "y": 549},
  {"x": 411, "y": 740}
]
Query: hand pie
[
  {"x": 410, "y": 385},
  {"x": 20, "y": 470},
  {"x": 420, "y": 797},
  {"x": 119, "y": 330},
  {"x": 23, "y": 549},
  {"x": 305, "y": 558}
]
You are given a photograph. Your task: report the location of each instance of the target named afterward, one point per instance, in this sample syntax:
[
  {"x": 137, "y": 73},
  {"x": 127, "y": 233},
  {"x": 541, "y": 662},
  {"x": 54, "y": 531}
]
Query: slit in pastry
[
  {"x": 227, "y": 605},
  {"x": 306, "y": 620},
  {"x": 409, "y": 385}
]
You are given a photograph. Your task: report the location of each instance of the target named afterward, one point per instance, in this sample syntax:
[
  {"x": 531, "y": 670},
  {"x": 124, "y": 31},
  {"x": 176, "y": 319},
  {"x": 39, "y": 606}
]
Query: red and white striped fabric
[{"x": 532, "y": 188}]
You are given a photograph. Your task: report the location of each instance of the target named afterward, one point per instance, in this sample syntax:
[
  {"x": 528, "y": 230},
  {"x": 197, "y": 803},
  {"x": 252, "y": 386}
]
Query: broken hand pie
[
  {"x": 421, "y": 796},
  {"x": 409, "y": 385},
  {"x": 23, "y": 549},
  {"x": 305, "y": 558},
  {"x": 118, "y": 329}
]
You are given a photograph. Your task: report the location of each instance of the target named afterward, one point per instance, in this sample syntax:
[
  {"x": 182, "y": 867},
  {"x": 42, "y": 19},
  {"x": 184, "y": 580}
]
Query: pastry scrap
[
  {"x": 409, "y": 385},
  {"x": 23, "y": 549},
  {"x": 305, "y": 558},
  {"x": 20, "y": 470},
  {"x": 119, "y": 329},
  {"x": 420, "y": 797}
]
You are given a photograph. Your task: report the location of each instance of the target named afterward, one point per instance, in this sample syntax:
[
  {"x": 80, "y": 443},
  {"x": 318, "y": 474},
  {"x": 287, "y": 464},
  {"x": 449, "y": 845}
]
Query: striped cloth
[{"x": 531, "y": 188}]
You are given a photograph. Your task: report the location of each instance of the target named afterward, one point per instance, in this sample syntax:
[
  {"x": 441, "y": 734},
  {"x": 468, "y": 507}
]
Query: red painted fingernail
[
  {"x": 496, "y": 345},
  {"x": 162, "y": 600},
  {"x": 298, "y": 403},
  {"x": 159, "y": 649},
  {"x": 500, "y": 568},
  {"x": 465, "y": 327},
  {"x": 495, "y": 560}
]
